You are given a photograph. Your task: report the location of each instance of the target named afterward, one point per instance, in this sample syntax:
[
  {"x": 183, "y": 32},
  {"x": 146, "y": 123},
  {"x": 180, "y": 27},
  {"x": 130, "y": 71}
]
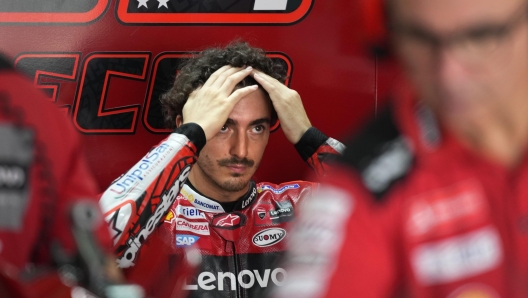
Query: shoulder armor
[{"x": 381, "y": 154}]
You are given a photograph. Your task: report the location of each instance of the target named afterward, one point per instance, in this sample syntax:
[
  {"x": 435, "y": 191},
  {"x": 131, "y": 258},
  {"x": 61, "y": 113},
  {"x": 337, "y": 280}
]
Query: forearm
[
  {"x": 318, "y": 150},
  {"x": 136, "y": 202}
]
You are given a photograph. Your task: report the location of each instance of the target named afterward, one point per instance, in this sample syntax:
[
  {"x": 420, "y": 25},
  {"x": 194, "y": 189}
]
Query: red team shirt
[
  {"x": 42, "y": 172},
  {"x": 420, "y": 215}
]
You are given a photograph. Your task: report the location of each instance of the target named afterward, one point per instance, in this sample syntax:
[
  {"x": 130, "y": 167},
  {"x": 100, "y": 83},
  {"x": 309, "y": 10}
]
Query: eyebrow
[
  {"x": 260, "y": 121},
  {"x": 254, "y": 122}
]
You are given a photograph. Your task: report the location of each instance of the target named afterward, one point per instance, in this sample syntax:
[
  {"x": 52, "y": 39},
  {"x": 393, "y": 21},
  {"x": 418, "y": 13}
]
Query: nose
[
  {"x": 449, "y": 67},
  {"x": 239, "y": 145}
]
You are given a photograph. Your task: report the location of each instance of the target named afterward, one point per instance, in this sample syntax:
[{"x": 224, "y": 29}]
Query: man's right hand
[{"x": 210, "y": 105}]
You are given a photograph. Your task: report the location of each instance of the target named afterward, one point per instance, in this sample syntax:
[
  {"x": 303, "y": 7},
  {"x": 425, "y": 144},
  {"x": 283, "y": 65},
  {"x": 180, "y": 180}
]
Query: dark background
[{"x": 340, "y": 86}]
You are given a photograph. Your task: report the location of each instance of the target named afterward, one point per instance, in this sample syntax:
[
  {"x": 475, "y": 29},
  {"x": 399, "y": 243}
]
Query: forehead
[
  {"x": 252, "y": 107},
  {"x": 450, "y": 15}
]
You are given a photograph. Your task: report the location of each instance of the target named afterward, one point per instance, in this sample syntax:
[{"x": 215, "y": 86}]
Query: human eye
[
  {"x": 224, "y": 128},
  {"x": 258, "y": 129},
  {"x": 484, "y": 33},
  {"x": 419, "y": 36},
  {"x": 482, "y": 39}
]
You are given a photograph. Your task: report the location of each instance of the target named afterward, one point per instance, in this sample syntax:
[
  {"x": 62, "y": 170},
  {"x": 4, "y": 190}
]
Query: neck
[
  {"x": 499, "y": 135},
  {"x": 209, "y": 188}
]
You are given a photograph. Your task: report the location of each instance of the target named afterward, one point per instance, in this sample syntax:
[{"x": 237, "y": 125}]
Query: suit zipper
[{"x": 237, "y": 271}]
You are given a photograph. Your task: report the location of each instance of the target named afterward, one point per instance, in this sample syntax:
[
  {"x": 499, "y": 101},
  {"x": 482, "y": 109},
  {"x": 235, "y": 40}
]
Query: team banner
[
  {"x": 212, "y": 11},
  {"x": 51, "y": 11}
]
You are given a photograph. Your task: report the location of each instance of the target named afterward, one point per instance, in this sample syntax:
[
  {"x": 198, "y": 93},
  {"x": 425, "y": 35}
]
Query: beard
[{"x": 235, "y": 182}]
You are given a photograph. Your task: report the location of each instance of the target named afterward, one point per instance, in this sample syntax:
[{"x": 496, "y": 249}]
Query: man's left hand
[{"x": 288, "y": 104}]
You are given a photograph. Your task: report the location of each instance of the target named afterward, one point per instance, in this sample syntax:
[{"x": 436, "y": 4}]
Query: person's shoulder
[
  {"x": 22, "y": 103},
  {"x": 379, "y": 156},
  {"x": 284, "y": 188}
]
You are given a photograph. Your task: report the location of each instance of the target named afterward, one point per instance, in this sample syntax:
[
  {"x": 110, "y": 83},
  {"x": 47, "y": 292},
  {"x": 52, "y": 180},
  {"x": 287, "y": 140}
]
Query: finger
[
  {"x": 234, "y": 79},
  {"x": 225, "y": 76},
  {"x": 212, "y": 79},
  {"x": 269, "y": 84},
  {"x": 240, "y": 93},
  {"x": 193, "y": 93}
]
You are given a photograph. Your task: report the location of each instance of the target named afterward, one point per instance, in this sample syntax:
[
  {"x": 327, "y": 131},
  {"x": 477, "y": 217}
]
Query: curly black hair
[{"x": 195, "y": 72}]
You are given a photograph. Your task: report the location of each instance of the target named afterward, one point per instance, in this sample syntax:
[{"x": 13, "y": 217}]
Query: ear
[{"x": 179, "y": 120}]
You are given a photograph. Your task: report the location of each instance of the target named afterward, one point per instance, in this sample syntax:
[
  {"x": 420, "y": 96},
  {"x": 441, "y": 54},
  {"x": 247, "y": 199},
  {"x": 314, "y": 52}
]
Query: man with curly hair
[{"x": 193, "y": 192}]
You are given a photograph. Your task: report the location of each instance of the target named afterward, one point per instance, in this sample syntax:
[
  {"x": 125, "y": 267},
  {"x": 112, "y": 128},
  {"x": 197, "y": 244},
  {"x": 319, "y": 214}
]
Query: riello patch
[{"x": 268, "y": 237}]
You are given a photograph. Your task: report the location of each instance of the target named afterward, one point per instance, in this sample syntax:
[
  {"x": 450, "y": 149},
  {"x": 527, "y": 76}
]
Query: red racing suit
[
  {"x": 421, "y": 216},
  {"x": 155, "y": 214}
]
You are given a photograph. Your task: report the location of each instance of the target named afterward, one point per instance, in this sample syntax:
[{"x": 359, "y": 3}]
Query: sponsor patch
[
  {"x": 447, "y": 210},
  {"x": 201, "y": 228},
  {"x": 189, "y": 212},
  {"x": 457, "y": 257},
  {"x": 228, "y": 220},
  {"x": 185, "y": 240},
  {"x": 227, "y": 225},
  {"x": 283, "y": 213},
  {"x": 279, "y": 190},
  {"x": 247, "y": 279},
  {"x": 149, "y": 165},
  {"x": 169, "y": 218},
  {"x": 251, "y": 198},
  {"x": 268, "y": 237},
  {"x": 268, "y": 214},
  {"x": 200, "y": 201}
]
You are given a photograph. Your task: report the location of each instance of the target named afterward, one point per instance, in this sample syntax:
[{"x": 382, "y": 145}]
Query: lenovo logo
[{"x": 246, "y": 279}]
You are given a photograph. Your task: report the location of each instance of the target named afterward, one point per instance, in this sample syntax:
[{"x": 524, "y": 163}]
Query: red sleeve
[
  {"x": 56, "y": 173},
  {"x": 137, "y": 202},
  {"x": 78, "y": 185}
]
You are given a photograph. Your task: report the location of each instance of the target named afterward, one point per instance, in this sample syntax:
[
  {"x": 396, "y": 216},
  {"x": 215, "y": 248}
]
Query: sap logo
[
  {"x": 280, "y": 190},
  {"x": 185, "y": 240},
  {"x": 269, "y": 237},
  {"x": 209, "y": 281}
]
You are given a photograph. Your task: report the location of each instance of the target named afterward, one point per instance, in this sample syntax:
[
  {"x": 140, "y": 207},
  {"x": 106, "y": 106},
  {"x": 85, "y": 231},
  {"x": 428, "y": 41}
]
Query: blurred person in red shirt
[
  {"x": 431, "y": 198},
  {"x": 48, "y": 199}
]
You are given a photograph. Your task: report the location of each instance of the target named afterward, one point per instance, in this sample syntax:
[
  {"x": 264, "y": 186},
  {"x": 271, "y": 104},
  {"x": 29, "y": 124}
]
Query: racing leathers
[
  {"x": 447, "y": 222},
  {"x": 155, "y": 213}
]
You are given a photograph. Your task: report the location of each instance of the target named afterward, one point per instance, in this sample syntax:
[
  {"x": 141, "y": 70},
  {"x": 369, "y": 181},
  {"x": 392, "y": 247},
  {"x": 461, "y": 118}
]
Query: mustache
[{"x": 234, "y": 161}]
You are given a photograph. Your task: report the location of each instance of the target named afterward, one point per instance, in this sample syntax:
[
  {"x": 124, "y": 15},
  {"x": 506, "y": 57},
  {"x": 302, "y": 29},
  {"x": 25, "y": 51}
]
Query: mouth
[{"x": 237, "y": 168}]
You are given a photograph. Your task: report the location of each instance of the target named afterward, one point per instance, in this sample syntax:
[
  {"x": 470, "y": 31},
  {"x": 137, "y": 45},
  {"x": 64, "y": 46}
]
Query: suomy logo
[
  {"x": 246, "y": 279},
  {"x": 268, "y": 237}
]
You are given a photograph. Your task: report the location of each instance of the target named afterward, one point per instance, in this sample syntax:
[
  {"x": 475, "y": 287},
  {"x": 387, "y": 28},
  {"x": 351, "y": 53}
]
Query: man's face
[
  {"x": 466, "y": 58},
  {"x": 228, "y": 161}
]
